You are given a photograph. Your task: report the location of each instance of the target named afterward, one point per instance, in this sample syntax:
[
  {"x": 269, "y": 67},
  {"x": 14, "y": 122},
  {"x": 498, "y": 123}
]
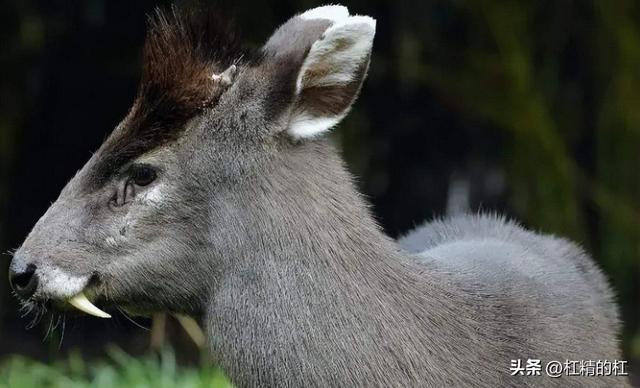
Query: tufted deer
[{"x": 218, "y": 197}]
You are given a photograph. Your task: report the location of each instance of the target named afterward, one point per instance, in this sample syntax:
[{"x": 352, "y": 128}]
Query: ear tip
[
  {"x": 363, "y": 19},
  {"x": 358, "y": 27},
  {"x": 338, "y": 14},
  {"x": 335, "y": 13}
]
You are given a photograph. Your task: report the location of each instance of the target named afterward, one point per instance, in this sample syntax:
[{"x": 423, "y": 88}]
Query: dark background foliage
[{"x": 529, "y": 108}]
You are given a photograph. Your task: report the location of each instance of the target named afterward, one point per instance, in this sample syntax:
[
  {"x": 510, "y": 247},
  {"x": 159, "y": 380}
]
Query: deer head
[{"x": 167, "y": 205}]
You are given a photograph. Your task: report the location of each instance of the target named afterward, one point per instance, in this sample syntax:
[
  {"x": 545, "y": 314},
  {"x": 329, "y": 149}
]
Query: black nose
[{"x": 24, "y": 283}]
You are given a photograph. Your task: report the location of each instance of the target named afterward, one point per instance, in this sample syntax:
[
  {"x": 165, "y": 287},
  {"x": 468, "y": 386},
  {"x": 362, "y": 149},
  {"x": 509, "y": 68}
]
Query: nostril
[
  {"x": 23, "y": 279},
  {"x": 25, "y": 283}
]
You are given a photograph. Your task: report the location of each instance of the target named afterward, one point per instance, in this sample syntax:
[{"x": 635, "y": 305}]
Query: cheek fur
[
  {"x": 153, "y": 196},
  {"x": 111, "y": 242},
  {"x": 146, "y": 203}
]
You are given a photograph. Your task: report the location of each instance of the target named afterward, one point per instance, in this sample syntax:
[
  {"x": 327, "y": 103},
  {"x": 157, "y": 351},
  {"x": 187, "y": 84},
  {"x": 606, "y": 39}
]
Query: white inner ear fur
[
  {"x": 304, "y": 126},
  {"x": 333, "y": 60},
  {"x": 339, "y": 53}
]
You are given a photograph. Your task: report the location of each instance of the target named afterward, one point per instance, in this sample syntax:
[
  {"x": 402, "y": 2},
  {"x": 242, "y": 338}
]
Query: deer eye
[
  {"x": 138, "y": 175},
  {"x": 143, "y": 174}
]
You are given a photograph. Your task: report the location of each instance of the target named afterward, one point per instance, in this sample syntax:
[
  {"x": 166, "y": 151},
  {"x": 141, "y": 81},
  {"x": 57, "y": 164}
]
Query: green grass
[{"x": 119, "y": 370}]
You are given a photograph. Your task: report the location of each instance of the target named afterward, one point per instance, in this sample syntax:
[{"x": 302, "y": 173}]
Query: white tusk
[{"x": 81, "y": 302}]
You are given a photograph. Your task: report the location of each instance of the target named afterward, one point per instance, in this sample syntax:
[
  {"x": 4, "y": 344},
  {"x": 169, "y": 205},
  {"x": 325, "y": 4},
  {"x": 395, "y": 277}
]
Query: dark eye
[{"x": 143, "y": 174}]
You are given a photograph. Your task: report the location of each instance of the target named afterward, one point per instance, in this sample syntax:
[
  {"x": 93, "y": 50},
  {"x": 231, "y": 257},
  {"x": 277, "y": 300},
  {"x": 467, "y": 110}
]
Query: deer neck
[{"x": 325, "y": 291}]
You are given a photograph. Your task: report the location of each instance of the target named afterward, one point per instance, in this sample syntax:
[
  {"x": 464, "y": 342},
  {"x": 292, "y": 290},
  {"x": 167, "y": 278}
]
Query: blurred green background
[{"x": 530, "y": 108}]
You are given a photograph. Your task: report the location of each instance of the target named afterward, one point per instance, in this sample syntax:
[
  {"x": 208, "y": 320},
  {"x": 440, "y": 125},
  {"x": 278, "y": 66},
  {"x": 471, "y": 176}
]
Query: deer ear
[
  {"x": 332, "y": 72},
  {"x": 316, "y": 63}
]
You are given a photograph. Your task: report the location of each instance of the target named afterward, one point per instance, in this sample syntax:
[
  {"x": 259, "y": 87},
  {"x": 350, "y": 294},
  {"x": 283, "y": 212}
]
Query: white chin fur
[{"x": 58, "y": 284}]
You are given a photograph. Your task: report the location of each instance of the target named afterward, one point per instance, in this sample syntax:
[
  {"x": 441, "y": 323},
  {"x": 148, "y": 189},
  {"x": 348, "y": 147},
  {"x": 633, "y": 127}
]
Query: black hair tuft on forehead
[
  {"x": 183, "y": 50},
  {"x": 184, "y": 47}
]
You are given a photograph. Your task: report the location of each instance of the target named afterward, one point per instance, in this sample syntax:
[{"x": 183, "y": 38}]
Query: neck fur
[{"x": 325, "y": 296}]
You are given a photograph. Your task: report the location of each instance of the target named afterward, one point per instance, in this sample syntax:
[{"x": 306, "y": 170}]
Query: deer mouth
[
  {"x": 80, "y": 301},
  {"x": 45, "y": 302},
  {"x": 65, "y": 291}
]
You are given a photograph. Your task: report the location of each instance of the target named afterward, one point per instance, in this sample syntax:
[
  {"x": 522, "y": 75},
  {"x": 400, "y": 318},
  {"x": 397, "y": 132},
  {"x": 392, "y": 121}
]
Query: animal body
[{"x": 217, "y": 196}]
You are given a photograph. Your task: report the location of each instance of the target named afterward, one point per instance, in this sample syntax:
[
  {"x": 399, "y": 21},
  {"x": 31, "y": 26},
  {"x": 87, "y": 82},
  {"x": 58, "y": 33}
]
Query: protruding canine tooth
[{"x": 81, "y": 302}]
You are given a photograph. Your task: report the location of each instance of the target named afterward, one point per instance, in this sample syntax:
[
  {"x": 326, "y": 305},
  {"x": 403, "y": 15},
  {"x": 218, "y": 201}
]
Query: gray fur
[{"x": 268, "y": 242}]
